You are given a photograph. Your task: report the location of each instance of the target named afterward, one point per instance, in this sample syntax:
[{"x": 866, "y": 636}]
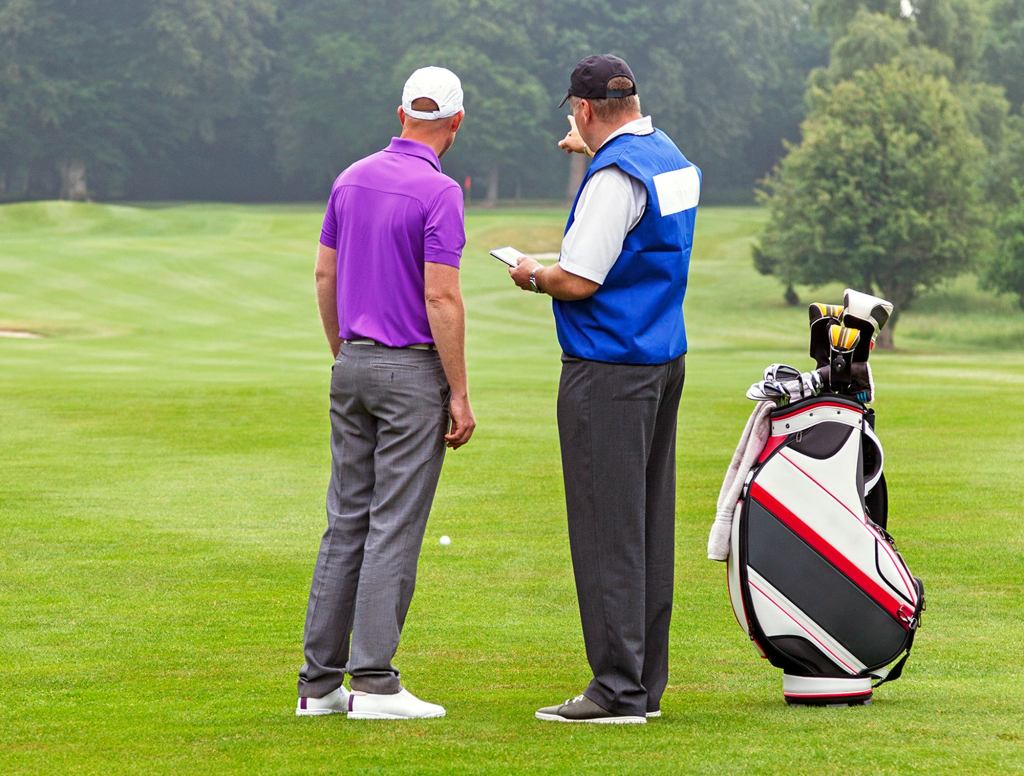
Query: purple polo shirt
[{"x": 387, "y": 215}]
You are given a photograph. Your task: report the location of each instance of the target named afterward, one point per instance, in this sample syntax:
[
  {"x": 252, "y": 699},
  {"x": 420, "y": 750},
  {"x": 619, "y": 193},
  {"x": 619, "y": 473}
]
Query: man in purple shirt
[{"x": 388, "y": 291}]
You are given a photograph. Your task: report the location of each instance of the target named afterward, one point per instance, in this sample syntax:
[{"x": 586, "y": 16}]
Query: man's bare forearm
[
  {"x": 326, "y": 299},
  {"x": 447, "y": 318},
  {"x": 327, "y": 294},
  {"x": 554, "y": 281}
]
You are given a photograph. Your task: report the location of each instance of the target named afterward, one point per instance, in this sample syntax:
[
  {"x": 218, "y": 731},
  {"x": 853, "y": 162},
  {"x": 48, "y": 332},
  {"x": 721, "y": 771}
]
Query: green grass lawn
[{"x": 164, "y": 457}]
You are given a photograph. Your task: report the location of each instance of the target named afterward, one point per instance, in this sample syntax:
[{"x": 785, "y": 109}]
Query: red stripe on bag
[
  {"x": 826, "y": 694},
  {"x": 875, "y": 591},
  {"x": 819, "y": 405},
  {"x": 863, "y": 520},
  {"x": 770, "y": 447}
]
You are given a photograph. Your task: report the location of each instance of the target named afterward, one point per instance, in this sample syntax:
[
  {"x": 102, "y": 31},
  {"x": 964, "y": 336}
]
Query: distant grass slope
[{"x": 164, "y": 455}]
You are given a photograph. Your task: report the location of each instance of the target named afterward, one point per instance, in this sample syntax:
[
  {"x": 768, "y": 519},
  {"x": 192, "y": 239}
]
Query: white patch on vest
[{"x": 678, "y": 190}]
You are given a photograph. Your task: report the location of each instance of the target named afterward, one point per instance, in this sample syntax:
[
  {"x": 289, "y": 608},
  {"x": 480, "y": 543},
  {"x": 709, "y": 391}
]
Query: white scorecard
[{"x": 507, "y": 255}]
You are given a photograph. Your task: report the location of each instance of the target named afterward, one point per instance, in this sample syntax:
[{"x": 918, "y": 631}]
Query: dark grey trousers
[
  {"x": 389, "y": 414},
  {"x": 617, "y": 426}
]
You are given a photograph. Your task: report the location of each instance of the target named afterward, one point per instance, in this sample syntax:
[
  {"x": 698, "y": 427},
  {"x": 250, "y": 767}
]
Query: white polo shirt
[{"x": 609, "y": 206}]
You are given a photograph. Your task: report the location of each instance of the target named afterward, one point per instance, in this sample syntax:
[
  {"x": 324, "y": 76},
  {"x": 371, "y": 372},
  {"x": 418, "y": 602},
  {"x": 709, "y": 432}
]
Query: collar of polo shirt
[{"x": 403, "y": 145}]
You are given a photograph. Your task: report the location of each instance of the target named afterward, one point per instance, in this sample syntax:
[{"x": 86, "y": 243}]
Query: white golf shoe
[
  {"x": 400, "y": 705},
  {"x": 333, "y": 703}
]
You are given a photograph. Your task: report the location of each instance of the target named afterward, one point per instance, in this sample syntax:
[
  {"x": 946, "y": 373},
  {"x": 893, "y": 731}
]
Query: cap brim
[{"x": 565, "y": 99}]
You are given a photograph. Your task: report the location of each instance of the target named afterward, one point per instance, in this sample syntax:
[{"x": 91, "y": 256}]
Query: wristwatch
[{"x": 533, "y": 281}]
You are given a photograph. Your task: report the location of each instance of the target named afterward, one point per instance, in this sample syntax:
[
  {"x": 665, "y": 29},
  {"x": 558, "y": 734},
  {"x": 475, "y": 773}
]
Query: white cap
[{"x": 438, "y": 84}]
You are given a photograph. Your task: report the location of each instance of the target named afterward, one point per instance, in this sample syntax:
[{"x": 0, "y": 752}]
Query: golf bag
[{"x": 814, "y": 577}]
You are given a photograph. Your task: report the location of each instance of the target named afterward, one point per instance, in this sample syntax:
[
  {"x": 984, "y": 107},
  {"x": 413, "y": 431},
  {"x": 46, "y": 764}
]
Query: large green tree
[{"x": 881, "y": 192}]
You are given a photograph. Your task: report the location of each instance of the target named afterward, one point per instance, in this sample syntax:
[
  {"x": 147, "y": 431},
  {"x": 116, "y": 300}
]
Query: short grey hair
[{"x": 610, "y": 109}]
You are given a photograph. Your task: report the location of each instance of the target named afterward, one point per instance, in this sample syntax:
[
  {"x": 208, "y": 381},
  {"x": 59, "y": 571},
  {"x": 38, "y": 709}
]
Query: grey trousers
[
  {"x": 389, "y": 414},
  {"x": 617, "y": 427}
]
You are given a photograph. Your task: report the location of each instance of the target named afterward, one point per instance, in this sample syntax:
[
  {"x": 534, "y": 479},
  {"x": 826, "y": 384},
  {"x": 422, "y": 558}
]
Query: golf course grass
[{"x": 164, "y": 458}]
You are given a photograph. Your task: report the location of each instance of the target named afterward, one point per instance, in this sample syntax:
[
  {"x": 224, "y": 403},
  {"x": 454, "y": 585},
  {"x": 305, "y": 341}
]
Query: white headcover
[
  {"x": 866, "y": 308},
  {"x": 438, "y": 84}
]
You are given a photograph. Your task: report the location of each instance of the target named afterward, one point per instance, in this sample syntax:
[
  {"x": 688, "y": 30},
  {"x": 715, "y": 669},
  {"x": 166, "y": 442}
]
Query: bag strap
[{"x": 893, "y": 673}]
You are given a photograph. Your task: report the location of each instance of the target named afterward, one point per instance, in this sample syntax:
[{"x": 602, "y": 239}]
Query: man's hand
[
  {"x": 520, "y": 273},
  {"x": 447, "y": 320},
  {"x": 572, "y": 143},
  {"x": 463, "y": 422}
]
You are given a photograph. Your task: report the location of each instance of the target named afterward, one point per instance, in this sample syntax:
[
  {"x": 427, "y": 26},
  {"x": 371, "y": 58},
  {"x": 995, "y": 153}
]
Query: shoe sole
[
  {"x": 595, "y": 721},
  {"x": 317, "y": 712},
  {"x": 653, "y": 714},
  {"x": 382, "y": 715}
]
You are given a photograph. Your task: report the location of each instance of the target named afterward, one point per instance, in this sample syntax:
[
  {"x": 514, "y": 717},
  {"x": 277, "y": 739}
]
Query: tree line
[
  {"x": 885, "y": 137},
  {"x": 269, "y": 99},
  {"x": 910, "y": 166}
]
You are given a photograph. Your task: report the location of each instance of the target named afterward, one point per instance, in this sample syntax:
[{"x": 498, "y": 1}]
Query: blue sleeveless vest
[{"x": 636, "y": 316}]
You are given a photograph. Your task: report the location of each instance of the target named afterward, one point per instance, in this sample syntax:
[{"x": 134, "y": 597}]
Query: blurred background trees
[
  {"x": 94, "y": 92},
  {"x": 884, "y": 136},
  {"x": 269, "y": 99}
]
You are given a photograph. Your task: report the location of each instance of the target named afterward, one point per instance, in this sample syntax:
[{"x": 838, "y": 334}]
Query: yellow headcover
[
  {"x": 843, "y": 338},
  {"x": 829, "y": 310}
]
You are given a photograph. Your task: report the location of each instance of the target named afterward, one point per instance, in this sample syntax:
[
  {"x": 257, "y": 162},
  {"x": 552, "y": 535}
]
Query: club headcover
[
  {"x": 821, "y": 317},
  {"x": 868, "y": 314},
  {"x": 843, "y": 342}
]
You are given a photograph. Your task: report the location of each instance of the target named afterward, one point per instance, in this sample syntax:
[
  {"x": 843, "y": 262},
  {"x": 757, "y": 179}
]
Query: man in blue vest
[{"x": 618, "y": 293}]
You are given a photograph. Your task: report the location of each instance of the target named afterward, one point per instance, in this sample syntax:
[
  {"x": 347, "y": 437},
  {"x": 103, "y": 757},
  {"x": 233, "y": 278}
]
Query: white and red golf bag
[{"x": 814, "y": 577}]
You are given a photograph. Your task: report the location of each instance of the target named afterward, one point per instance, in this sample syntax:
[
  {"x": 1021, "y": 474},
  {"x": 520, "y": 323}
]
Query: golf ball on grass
[{"x": 445, "y": 540}]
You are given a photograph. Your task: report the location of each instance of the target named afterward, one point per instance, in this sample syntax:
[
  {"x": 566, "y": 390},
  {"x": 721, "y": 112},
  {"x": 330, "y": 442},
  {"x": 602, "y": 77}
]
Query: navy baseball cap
[{"x": 591, "y": 75}]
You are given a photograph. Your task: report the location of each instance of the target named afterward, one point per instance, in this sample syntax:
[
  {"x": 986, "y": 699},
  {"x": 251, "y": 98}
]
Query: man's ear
[
  {"x": 586, "y": 111},
  {"x": 401, "y": 115},
  {"x": 457, "y": 121}
]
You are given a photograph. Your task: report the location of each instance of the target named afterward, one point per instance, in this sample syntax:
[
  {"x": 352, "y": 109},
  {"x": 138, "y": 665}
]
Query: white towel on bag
[{"x": 752, "y": 441}]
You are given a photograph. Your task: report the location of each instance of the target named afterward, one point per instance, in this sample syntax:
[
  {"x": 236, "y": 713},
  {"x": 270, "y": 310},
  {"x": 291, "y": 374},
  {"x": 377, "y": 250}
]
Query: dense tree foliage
[
  {"x": 265, "y": 98},
  {"x": 1003, "y": 55},
  {"x": 269, "y": 99},
  {"x": 90, "y": 88}
]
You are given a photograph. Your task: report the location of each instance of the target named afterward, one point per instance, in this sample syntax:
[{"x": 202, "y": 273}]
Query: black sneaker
[{"x": 582, "y": 709}]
